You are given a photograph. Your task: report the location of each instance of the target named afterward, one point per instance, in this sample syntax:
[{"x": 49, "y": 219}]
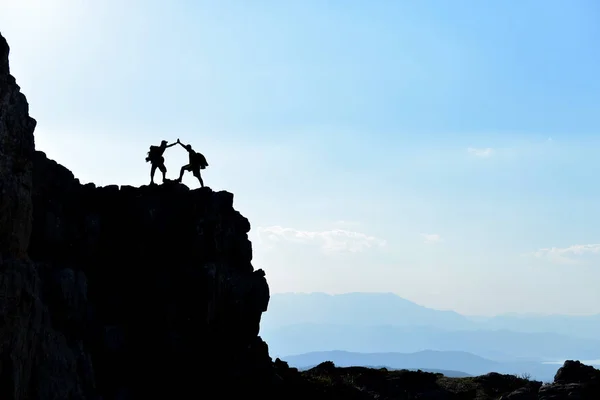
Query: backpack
[
  {"x": 154, "y": 153},
  {"x": 200, "y": 160}
]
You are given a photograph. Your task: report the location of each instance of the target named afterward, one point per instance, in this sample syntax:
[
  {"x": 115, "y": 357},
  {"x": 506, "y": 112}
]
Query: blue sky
[{"x": 443, "y": 151}]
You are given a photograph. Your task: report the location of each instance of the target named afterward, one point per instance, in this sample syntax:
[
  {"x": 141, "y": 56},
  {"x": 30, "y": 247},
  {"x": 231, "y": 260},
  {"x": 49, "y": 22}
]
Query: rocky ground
[
  {"x": 573, "y": 381},
  {"x": 130, "y": 293}
]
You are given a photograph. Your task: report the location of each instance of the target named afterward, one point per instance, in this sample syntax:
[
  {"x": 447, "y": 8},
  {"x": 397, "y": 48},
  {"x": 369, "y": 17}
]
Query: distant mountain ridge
[
  {"x": 366, "y": 308},
  {"x": 384, "y": 322},
  {"x": 450, "y": 361},
  {"x": 500, "y": 345}
]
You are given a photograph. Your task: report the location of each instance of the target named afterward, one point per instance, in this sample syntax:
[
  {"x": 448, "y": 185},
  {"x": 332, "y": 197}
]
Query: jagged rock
[
  {"x": 16, "y": 149},
  {"x": 171, "y": 287},
  {"x": 36, "y": 360},
  {"x": 573, "y": 380},
  {"x": 568, "y": 391},
  {"x": 576, "y": 372},
  {"x": 529, "y": 392}
]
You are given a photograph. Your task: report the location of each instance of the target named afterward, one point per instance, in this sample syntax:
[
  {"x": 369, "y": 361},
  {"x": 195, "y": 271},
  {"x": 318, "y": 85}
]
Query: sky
[{"x": 442, "y": 151}]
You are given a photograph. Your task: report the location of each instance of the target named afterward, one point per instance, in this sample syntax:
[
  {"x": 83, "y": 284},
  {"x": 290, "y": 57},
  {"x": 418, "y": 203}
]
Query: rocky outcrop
[
  {"x": 156, "y": 280},
  {"x": 36, "y": 361},
  {"x": 16, "y": 149},
  {"x": 576, "y": 372},
  {"x": 573, "y": 380}
]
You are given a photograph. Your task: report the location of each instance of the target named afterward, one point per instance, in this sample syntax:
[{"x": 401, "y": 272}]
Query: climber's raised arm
[{"x": 182, "y": 145}]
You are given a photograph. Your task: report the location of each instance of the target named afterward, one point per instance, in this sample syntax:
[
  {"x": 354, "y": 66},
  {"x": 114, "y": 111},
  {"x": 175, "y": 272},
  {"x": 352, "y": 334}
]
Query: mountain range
[
  {"x": 383, "y": 323},
  {"x": 449, "y": 363},
  {"x": 389, "y": 309}
]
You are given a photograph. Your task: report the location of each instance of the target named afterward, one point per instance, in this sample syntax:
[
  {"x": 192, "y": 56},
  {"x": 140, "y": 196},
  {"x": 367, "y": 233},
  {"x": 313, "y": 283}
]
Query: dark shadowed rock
[
  {"x": 16, "y": 149},
  {"x": 36, "y": 360},
  {"x": 529, "y": 392},
  {"x": 573, "y": 380},
  {"x": 576, "y": 372},
  {"x": 156, "y": 279}
]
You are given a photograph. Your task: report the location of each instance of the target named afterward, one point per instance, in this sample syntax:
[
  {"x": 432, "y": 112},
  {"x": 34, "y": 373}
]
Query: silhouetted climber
[
  {"x": 197, "y": 162},
  {"x": 155, "y": 157}
]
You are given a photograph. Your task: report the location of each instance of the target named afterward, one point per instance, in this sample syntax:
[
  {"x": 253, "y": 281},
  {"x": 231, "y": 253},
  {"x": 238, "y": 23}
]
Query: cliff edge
[
  {"x": 36, "y": 361},
  {"x": 16, "y": 163},
  {"x": 156, "y": 279}
]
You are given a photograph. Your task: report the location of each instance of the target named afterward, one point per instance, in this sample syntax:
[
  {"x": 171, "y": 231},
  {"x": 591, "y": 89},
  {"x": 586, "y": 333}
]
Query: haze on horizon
[{"x": 445, "y": 152}]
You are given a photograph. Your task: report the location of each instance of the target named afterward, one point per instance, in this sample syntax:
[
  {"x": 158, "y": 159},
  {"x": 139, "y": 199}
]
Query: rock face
[
  {"x": 36, "y": 361},
  {"x": 573, "y": 380},
  {"x": 119, "y": 292},
  {"x": 156, "y": 279},
  {"x": 16, "y": 149}
]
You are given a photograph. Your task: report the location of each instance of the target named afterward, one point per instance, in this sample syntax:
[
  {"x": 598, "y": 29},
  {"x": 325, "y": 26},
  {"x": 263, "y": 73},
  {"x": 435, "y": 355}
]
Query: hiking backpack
[
  {"x": 200, "y": 160},
  {"x": 153, "y": 154}
]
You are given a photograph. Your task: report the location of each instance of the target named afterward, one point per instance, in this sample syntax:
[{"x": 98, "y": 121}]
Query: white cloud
[
  {"x": 431, "y": 237},
  {"x": 336, "y": 240},
  {"x": 567, "y": 255},
  {"x": 487, "y": 152}
]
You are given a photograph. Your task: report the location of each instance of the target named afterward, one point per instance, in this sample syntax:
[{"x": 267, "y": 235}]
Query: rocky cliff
[
  {"x": 130, "y": 293},
  {"x": 16, "y": 163},
  {"x": 36, "y": 361},
  {"x": 156, "y": 280},
  {"x": 119, "y": 292}
]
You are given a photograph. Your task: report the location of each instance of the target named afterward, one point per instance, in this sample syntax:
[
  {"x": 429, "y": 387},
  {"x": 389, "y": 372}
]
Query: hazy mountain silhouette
[
  {"x": 497, "y": 345},
  {"x": 358, "y": 309},
  {"x": 383, "y": 322},
  {"x": 450, "y": 361},
  {"x": 584, "y": 326}
]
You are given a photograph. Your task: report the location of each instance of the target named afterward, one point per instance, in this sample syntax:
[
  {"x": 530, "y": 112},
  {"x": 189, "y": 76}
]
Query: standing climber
[
  {"x": 155, "y": 157},
  {"x": 196, "y": 162}
]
